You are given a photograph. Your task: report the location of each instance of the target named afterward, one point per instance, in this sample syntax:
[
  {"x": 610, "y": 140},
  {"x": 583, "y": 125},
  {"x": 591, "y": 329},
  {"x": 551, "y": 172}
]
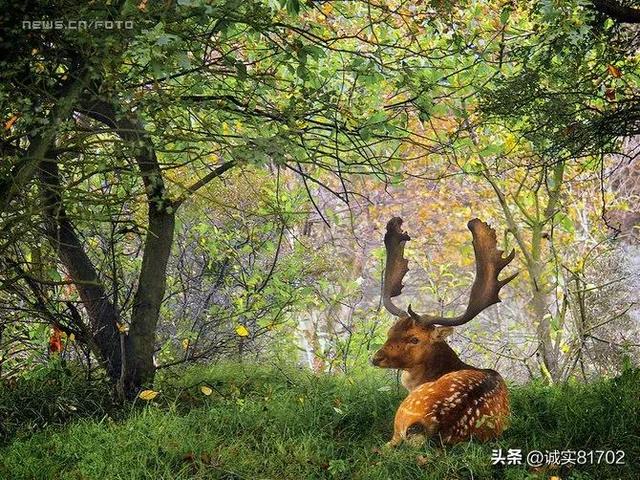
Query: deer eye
[{"x": 414, "y": 340}]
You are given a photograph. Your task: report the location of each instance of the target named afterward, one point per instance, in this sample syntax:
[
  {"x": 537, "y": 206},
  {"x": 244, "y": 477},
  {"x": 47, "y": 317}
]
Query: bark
[
  {"x": 148, "y": 299},
  {"x": 548, "y": 360}
]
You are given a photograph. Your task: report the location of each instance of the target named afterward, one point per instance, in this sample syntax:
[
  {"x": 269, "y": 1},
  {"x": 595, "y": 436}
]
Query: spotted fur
[{"x": 458, "y": 406}]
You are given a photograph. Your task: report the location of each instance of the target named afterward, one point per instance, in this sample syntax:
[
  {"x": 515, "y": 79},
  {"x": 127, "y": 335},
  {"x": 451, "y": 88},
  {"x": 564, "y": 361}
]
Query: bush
[{"x": 50, "y": 395}]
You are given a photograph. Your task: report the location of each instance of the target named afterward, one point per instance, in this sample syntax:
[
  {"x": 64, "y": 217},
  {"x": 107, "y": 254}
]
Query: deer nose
[{"x": 377, "y": 358}]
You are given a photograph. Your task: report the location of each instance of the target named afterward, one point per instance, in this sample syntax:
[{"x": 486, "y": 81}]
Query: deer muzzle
[{"x": 378, "y": 358}]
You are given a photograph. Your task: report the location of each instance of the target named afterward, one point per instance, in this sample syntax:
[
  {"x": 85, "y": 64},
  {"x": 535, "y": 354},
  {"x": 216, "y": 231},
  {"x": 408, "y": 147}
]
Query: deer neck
[{"x": 440, "y": 359}]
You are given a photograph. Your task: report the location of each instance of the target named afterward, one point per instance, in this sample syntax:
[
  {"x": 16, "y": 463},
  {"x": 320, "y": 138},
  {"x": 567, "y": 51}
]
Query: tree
[{"x": 203, "y": 89}]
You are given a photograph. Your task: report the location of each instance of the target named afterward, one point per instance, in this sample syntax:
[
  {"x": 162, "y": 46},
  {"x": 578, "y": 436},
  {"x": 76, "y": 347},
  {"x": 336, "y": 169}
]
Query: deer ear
[{"x": 440, "y": 333}]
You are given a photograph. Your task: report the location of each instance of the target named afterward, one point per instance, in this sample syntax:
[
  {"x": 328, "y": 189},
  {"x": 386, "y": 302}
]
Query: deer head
[
  {"x": 414, "y": 338},
  {"x": 409, "y": 344}
]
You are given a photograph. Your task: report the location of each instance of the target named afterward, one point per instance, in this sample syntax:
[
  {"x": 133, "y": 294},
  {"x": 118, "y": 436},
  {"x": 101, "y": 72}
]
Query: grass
[{"x": 271, "y": 423}]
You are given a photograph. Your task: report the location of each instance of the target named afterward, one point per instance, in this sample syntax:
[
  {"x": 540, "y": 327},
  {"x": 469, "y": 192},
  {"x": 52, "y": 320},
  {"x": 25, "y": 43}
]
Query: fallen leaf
[
  {"x": 148, "y": 395},
  {"x": 206, "y": 390},
  {"x": 422, "y": 460}
]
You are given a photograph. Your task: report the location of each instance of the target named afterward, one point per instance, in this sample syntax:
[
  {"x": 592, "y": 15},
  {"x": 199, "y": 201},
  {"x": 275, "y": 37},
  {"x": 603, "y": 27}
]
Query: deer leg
[{"x": 416, "y": 434}]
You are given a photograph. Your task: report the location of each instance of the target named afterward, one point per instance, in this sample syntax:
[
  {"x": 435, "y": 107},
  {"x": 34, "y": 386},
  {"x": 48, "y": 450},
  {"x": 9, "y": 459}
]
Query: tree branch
[
  {"x": 617, "y": 12},
  {"x": 203, "y": 181},
  {"x": 26, "y": 167},
  {"x": 61, "y": 234}
]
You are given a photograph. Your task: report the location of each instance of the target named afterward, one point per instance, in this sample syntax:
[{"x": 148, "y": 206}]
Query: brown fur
[{"x": 446, "y": 396}]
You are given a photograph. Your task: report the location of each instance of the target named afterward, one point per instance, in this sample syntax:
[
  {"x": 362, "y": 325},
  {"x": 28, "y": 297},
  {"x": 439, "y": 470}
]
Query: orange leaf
[
  {"x": 55, "y": 341},
  {"x": 614, "y": 71},
  {"x": 9, "y": 123}
]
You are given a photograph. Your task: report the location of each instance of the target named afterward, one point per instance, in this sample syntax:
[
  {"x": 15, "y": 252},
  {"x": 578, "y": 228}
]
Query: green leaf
[{"x": 293, "y": 7}]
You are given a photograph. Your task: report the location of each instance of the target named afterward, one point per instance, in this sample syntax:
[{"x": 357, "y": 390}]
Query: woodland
[{"x": 193, "y": 203}]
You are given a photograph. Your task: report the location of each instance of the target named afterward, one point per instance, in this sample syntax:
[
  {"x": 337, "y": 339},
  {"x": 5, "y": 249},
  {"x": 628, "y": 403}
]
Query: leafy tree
[{"x": 113, "y": 133}]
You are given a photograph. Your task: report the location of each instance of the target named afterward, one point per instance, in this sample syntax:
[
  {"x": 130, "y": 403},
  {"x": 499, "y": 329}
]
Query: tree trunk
[
  {"x": 102, "y": 335},
  {"x": 547, "y": 354},
  {"x": 137, "y": 368},
  {"x": 140, "y": 345},
  {"x": 148, "y": 298}
]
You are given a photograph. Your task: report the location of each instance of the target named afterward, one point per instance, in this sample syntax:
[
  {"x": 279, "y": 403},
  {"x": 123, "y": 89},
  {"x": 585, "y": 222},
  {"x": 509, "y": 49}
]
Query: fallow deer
[{"x": 446, "y": 397}]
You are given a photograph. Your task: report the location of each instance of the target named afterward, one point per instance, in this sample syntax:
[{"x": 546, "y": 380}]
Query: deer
[{"x": 447, "y": 397}]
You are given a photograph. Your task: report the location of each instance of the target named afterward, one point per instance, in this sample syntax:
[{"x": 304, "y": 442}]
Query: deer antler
[
  {"x": 396, "y": 266},
  {"x": 486, "y": 286}
]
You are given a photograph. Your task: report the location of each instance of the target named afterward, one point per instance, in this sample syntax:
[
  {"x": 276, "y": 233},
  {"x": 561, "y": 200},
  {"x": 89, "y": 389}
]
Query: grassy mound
[{"x": 286, "y": 424}]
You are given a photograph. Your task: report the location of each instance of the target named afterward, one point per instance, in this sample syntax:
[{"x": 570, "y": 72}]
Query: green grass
[{"x": 288, "y": 424}]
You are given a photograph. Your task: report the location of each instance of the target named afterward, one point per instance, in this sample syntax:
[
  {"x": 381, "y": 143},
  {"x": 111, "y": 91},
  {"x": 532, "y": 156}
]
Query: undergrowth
[{"x": 282, "y": 423}]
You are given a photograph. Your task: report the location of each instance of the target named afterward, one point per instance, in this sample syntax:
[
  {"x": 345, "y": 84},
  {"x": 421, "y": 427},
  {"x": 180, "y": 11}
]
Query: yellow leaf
[
  {"x": 242, "y": 331},
  {"x": 148, "y": 395},
  {"x": 71, "y": 338},
  {"x": 327, "y": 8},
  {"x": 206, "y": 390},
  {"x": 185, "y": 343},
  {"x": 122, "y": 328}
]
